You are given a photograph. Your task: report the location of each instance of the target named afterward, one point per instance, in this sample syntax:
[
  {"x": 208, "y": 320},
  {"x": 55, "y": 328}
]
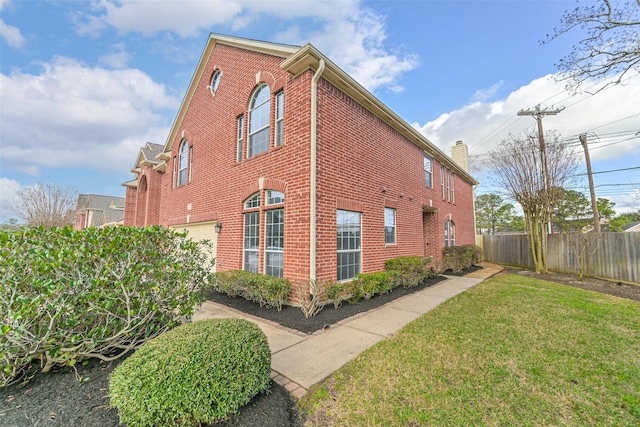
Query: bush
[
  {"x": 374, "y": 283},
  {"x": 197, "y": 373},
  {"x": 409, "y": 271},
  {"x": 460, "y": 258},
  {"x": 268, "y": 291},
  {"x": 70, "y": 295},
  {"x": 337, "y": 292}
]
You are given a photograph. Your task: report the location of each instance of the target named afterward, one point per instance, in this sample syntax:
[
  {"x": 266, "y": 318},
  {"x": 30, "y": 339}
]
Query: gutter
[{"x": 313, "y": 250}]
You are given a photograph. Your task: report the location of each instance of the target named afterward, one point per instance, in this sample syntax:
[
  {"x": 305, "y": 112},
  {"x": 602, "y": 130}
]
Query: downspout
[{"x": 313, "y": 208}]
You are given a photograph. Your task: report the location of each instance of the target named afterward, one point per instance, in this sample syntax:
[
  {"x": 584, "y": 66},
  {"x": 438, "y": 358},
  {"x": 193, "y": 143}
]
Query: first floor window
[
  {"x": 349, "y": 244},
  {"x": 274, "y": 242},
  {"x": 251, "y": 241},
  {"x": 449, "y": 233},
  {"x": 389, "y": 225},
  {"x": 274, "y": 197},
  {"x": 428, "y": 174}
]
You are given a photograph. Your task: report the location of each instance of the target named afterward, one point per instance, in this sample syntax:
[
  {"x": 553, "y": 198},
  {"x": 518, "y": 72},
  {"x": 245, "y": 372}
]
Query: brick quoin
[{"x": 363, "y": 164}]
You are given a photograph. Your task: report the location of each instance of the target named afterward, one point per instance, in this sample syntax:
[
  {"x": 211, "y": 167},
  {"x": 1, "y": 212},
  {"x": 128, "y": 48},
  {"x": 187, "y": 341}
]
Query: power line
[{"x": 609, "y": 171}]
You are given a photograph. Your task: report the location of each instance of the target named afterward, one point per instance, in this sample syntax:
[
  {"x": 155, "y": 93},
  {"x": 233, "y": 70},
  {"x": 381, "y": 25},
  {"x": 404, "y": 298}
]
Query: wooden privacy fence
[{"x": 613, "y": 256}]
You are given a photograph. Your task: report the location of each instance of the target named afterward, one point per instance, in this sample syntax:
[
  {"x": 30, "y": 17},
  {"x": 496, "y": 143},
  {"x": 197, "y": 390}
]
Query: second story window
[
  {"x": 240, "y": 140},
  {"x": 428, "y": 174},
  {"x": 442, "y": 178},
  {"x": 453, "y": 188},
  {"x": 279, "y": 117},
  {"x": 259, "y": 118},
  {"x": 182, "y": 163}
]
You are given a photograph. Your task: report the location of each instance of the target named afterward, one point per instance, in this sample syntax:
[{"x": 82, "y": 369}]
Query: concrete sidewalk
[{"x": 299, "y": 361}]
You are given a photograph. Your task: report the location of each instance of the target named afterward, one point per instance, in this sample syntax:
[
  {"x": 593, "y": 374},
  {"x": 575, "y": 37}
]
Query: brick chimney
[{"x": 460, "y": 155}]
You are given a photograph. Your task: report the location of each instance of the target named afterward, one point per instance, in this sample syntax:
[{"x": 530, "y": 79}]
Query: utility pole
[
  {"x": 538, "y": 114},
  {"x": 594, "y": 201}
]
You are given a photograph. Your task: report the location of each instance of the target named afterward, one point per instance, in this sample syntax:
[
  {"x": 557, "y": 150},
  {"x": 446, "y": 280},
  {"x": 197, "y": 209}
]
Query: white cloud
[
  {"x": 356, "y": 42},
  {"x": 11, "y": 35},
  {"x": 117, "y": 58},
  {"x": 8, "y": 190},
  {"x": 71, "y": 114},
  {"x": 483, "y": 95},
  {"x": 483, "y": 125},
  {"x": 348, "y": 32}
]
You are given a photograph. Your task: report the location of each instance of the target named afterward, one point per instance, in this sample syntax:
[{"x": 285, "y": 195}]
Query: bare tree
[
  {"x": 517, "y": 167},
  {"x": 47, "y": 205},
  {"x": 611, "y": 46}
]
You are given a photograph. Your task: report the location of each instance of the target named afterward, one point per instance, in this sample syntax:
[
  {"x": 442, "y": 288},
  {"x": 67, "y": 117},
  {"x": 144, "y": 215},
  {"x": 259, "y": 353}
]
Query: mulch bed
[
  {"x": 619, "y": 289},
  {"x": 293, "y": 317},
  {"x": 59, "y": 398}
]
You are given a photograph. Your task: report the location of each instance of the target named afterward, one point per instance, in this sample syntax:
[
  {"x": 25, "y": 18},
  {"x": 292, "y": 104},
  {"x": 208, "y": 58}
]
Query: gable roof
[
  {"x": 109, "y": 208},
  {"x": 297, "y": 60},
  {"x": 632, "y": 227},
  {"x": 148, "y": 155}
]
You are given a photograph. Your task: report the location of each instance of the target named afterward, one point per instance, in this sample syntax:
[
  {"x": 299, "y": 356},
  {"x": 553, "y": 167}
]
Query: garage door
[{"x": 201, "y": 231}]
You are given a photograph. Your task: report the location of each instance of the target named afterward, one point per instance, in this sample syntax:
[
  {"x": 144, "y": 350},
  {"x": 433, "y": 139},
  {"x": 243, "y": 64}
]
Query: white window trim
[
  {"x": 266, "y": 232},
  {"x": 442, "y": 178},
  {"x": 250, "y": 199},
  {"x": 450, "y": 233},
  {"x": 190, "y": 173},
  {"x": 430, "y": 170},
  {"x": 342, "y": 251},
  {"x": 453, "y": 191},
  {"x": 279, "y": 125},
  {"x": 253, "y": 107},
  {"x": 240, "y": 138},
  {"x": 183, "y": 150},
  {"x": 267, "y": 197},
  {"x": 395, "y": 236},
  {"x": 174, "y": 182},
  {"x": 244, "y": 240}
]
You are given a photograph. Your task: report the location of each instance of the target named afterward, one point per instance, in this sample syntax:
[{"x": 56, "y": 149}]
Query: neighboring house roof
[
  {"x": 296, "y": 61},
  {"x": 106, "y": 209},
  {"x": 632, "y": 227}
]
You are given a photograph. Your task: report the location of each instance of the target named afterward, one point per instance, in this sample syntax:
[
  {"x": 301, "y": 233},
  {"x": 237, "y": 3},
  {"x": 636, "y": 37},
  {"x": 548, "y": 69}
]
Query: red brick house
[{"x": 293, "y": 169}]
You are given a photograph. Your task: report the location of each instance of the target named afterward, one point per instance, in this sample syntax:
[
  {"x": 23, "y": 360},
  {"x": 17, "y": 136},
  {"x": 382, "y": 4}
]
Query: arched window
[
  {"x": 273, "y": 244},
  {"x": 183, "y": 162},
  {"x": 259, "y": 120}
]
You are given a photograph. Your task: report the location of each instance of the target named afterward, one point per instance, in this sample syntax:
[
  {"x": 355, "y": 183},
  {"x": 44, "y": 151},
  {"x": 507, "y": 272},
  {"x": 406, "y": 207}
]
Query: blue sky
[{"x": 83, "y": 85}]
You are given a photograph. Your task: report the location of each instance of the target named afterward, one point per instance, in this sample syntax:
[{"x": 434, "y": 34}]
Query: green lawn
[{"x": 513, "y": 350}]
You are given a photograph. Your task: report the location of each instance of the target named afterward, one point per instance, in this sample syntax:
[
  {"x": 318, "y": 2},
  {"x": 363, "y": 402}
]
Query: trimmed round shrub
[{"x": 197, "y": 373}]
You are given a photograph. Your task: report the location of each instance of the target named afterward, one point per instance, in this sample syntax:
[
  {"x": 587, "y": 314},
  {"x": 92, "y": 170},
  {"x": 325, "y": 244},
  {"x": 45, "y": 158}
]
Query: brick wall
[
  {"x": 220, "y": 185},
  {"x": 130, "y": 207},
  {"x": 365, "y": 165}
]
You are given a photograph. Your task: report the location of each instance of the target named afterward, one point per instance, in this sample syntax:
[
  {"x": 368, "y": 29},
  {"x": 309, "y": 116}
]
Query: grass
[{"x": 513, "y": 350}]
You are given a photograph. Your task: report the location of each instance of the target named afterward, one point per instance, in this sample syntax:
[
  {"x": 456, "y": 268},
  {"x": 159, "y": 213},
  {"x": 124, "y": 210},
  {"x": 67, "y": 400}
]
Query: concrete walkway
[{"x": 299, "y": 361}]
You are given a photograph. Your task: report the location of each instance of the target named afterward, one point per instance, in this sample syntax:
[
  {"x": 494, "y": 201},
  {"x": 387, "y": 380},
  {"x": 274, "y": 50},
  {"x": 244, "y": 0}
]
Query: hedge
[
  {"x": 199, "y": 372},
  {"x": 268, "y": 291},
  {"x": 70, "y": 295},
  {"x": 460, "y": 258}
]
